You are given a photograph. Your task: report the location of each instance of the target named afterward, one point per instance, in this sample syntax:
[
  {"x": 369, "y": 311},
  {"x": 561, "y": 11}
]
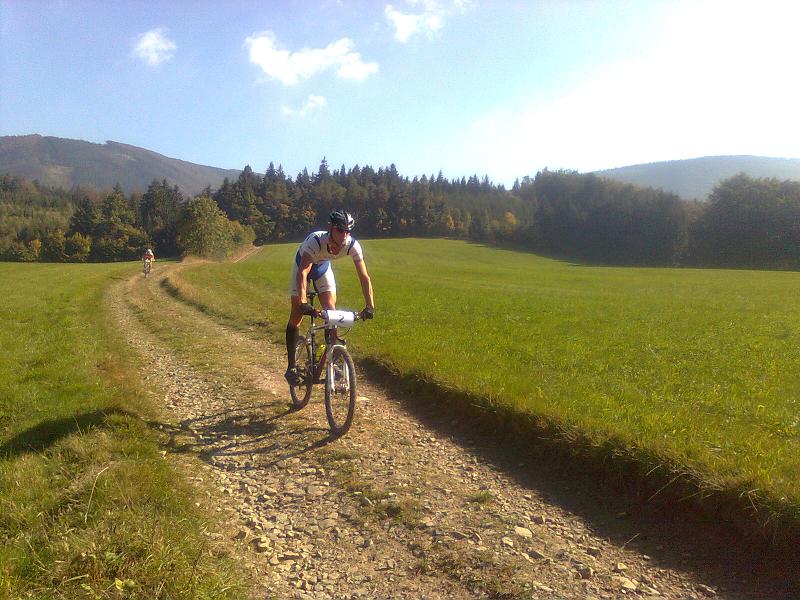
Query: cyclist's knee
[{"x": 328, "y": 300}]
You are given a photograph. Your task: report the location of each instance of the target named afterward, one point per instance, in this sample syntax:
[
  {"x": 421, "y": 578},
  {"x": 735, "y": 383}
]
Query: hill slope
[
  {"x": 696, "y": 177},
  {"x": 65, "y": 163}
]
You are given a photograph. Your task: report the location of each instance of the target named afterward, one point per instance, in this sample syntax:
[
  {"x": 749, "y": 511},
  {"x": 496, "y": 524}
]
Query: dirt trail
[{"x": 411, "y": 503}]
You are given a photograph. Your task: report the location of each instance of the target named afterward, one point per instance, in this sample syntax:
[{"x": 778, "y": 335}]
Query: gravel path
[{"x": 411, "y": 503}]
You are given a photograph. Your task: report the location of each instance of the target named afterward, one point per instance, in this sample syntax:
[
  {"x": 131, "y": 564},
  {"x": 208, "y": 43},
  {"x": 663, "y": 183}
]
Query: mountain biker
[
  {"x": 312, "y": 264},
  {"x": 148, "y": 255}
]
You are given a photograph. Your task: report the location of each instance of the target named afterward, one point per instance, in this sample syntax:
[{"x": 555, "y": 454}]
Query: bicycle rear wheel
[
  {"x": 340, "y": 391},
  {"x": 301, "y": 392}
]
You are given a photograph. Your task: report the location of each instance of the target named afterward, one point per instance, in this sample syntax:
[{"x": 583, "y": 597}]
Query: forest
[
  {"x": 54, "y": 225},
  {"x": 746, "y": 222}
]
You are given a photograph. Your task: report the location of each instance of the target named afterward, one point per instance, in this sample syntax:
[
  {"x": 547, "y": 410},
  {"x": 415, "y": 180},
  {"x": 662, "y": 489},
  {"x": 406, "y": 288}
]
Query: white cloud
[
  {"x": 153, "y": 47},
  {"x": 292, "y": 67},
  {"x": 427, "y": 20},
  {"x": 312, "y": 103},
  {"x": 405, "y": 25},
  {"x": 700, "y": 91}
]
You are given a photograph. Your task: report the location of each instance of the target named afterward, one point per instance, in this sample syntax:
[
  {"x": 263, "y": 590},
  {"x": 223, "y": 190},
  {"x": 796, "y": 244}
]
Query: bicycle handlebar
[
  {"x": 340, "y": 314},
  {"x": 340, "y": 318}
]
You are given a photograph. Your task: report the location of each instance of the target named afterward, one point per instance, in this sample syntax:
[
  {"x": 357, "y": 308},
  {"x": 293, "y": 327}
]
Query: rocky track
[{"x": 412, "y": 503}]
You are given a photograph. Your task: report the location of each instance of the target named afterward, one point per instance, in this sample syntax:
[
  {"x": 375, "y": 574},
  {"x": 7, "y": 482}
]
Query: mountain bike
[
  {"x": 327, "y": 363},
  {"x": 146, "y": 268}
]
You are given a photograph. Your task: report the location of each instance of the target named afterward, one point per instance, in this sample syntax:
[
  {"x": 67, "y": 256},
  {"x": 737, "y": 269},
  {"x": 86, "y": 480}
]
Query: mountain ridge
[
  {"x": 695, "y": 178},
  {"x": 65, "y": 163}
]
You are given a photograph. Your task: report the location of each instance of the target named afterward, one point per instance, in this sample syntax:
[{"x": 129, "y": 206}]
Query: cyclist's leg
[
  {"x": 326, "y": 287},
  {"x": 328, "y": 300},
  {"x": 293, "y": 330},
  {"x": 293, "y": 324}
]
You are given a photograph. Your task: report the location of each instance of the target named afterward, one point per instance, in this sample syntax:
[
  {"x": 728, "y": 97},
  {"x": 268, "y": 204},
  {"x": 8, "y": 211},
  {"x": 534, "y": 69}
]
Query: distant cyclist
[
  {"x": 148, "y": 258},
  {"x": 312, "y": 263}
]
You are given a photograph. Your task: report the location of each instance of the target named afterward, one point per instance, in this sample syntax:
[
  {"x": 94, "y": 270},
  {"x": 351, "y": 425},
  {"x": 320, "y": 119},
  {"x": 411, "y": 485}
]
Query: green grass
[
  {"x": 483, "y": 497},
  {"x": 694, "y": 370},
  {"x": 88, "y": 507}
]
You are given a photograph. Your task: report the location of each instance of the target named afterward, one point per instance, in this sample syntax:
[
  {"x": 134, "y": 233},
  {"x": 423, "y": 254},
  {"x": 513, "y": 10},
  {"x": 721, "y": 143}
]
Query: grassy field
[
  {"x": 686, "y": 371},
  {"x": 88, "y": 507}
]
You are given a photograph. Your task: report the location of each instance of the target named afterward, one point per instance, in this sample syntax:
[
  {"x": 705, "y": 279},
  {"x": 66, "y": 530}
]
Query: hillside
[
  {"x": 695, "y": 178},
  {"x": 65, "y": 163}
]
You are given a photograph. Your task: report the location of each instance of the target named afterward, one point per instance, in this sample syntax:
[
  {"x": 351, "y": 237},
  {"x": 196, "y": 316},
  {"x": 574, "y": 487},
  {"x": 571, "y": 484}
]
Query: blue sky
[{"x": 502, "y": 88}]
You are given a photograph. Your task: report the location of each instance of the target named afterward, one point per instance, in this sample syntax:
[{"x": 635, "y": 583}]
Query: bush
[
  {"x": 19, "y": 252},
  {"x": 77, "y": 247},
  {"x": 118, "y": 242},
  {"x": 53, "y": 247},
  {"x": 205, "y": 231}
]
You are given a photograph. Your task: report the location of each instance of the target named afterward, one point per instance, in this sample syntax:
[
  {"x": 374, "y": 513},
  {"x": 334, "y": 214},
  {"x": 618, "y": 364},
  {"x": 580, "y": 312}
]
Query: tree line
[
  {"x": 45, "y": 224},
  {"x": 745, "y": 222}
]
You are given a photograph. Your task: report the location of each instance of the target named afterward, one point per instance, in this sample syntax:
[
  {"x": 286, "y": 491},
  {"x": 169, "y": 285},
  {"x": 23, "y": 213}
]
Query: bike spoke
[
  {"x": 340, "y": 391},
  {"x": 301, "y": 393}
]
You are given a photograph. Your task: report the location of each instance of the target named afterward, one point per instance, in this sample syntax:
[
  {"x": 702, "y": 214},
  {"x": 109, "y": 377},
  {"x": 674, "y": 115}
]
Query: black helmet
[{"x": 343, "y": 220}]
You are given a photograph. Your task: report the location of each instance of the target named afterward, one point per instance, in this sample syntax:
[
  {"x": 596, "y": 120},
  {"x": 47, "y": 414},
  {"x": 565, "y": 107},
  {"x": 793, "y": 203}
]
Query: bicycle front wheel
[
  {"x": 301, "y": 392},
  {"x": 340, "y": 391}
]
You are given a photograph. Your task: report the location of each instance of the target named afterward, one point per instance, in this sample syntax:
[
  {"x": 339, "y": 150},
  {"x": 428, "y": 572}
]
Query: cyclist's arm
[
  {"x": 302, "y": 276},
  {"x": 366, "y": 282}
]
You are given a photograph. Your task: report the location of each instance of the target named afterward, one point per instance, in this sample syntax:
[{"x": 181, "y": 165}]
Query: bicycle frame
[
  {"x": 318, "y": 366},
  {"x": 334, "y": 367},
  {"x": 331, "y": 338}
]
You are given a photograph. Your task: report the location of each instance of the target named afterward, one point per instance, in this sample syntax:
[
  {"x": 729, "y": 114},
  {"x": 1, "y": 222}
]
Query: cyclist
[
  {"x": 148, "y": 256},
  {"x": 312, "y": 263}
]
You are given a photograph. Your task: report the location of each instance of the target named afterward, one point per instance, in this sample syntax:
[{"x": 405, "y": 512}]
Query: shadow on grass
[
  {"x": 46, "y": 433},
  {"x": 174, "y": 290},
  {"x": 623, "y": 494},
  {"x": 573, "y": 260}
]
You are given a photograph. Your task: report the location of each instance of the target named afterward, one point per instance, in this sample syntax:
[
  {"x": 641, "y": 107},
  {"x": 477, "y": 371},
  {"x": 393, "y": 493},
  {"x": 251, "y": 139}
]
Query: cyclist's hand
[
  {"x": 307, "y": 309},
  {"x": 367, "y": 313}
]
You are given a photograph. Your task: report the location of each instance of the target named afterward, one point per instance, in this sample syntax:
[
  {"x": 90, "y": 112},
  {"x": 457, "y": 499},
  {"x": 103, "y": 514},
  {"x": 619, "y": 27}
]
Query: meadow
[
  {"x": 88, "y": 506},
  {"x": 687, "y": 372}
]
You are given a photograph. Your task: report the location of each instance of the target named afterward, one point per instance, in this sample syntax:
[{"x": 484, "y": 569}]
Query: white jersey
[
  {"x": 316, "y": 246},
  {"x": 321, "y": 274}
]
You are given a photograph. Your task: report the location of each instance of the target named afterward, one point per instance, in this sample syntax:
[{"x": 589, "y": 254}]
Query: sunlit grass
[
  {"x": 88, "y": 506},
  {"x": 698, "y": 369}
]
